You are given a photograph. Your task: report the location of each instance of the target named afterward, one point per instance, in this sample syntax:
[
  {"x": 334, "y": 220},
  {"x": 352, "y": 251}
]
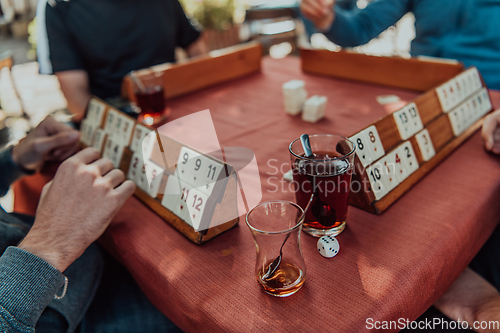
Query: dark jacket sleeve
[
  {"x": 9, "y": 171},
  {"x": 353, "y": 28},
  {"x": 27, "y": 285}
]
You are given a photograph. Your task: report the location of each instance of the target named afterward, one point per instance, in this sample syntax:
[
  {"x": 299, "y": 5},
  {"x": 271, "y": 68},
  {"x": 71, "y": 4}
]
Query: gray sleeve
[
  {"x": 9, "y": 171},
  {"x": 353, "y": 28},
  {"x": 27, "y": 285}
]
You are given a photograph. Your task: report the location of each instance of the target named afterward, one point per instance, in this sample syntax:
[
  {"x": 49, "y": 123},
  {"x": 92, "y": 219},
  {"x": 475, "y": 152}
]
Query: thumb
[{"x": 46, "y": 144}]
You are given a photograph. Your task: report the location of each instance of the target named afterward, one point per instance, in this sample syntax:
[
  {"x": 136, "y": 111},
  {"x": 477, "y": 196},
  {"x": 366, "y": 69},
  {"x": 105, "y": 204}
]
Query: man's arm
[
  {"x": 75, "y": 87},
  {"x": 472, "y": 299},
  {"x": 198, "y": 47},
  {"x": 74, "y": 210},
  {"x": 28, "y": 284},
  {"x": 349, "y": 29},
  {"x": 50, "y": 141}
]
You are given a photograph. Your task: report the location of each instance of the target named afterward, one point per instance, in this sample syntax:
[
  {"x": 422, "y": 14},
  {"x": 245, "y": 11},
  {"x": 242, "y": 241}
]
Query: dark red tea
[
  {"x": 330, "y": 181},
  {"x": 151, "y": 102}
]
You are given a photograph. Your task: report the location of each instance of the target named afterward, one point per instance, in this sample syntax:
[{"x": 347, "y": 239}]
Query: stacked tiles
[
  {"x": 294, "y": 96},
  {"x": 314, "y": 108}
]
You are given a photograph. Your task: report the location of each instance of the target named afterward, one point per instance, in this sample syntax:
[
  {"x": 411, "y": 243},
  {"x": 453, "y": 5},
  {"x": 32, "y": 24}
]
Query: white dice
[
  {"x": 294, "y": 96},
  {"x": 328, "y": 246},
  {"x": 314, "y": 108}
]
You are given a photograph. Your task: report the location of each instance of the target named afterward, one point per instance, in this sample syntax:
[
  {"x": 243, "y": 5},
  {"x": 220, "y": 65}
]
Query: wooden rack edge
[
  {"x": 386, "y": 71},
  {"x": 425, "y": 168},
  {"x": 200, "y": 72}
]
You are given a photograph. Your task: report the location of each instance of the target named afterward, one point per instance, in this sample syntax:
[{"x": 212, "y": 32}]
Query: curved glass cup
[
  {"x": 151, "y": 99},
  {"x": 327, "y": 174},
  {"x": 276, "y": 224}
]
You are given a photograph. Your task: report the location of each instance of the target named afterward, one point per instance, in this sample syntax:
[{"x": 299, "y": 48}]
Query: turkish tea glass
[
  {"x": 276, "y": 228},
  {"x": 327, "y": 174}
]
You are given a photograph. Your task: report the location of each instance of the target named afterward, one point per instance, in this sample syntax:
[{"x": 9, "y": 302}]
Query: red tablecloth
[{"x": 390, "y": 266}]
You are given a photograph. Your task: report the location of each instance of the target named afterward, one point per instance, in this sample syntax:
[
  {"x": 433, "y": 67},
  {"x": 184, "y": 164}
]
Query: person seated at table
[
  {"x": 474, "y": 296},
  {"x": 454, "y": 29},
  {"x": 91, "y": 45},
  {"x": 95, "y": 294}
]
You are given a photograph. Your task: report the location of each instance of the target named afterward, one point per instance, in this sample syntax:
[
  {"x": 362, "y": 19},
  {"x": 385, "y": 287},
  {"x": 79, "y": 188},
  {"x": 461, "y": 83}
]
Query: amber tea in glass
[{"x": 275, "y": 226}]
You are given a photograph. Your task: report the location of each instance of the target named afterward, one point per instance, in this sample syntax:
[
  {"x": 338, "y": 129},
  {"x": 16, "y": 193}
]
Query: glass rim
[
  {"x": 326, "y": 159},
  {"x": 297, "y": 225}
]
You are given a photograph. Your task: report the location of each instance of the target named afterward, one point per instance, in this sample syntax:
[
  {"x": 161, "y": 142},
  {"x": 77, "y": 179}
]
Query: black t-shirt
[{"x": 109, "y": 38}]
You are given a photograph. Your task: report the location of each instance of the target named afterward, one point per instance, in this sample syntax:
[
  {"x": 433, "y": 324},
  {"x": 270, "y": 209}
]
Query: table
[{"x": 390, "y": 266}]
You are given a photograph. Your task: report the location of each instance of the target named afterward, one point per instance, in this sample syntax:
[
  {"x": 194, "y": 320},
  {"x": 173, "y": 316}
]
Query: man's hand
[
  {"x": 76, "y": 208},
  {"x": 320, "y": 12},
  {"x": 198, "y": 47},
  {"x": 472, "y": 299},
  {"x": 50, "y": 141},
  {"x": 491, "y": 132}
]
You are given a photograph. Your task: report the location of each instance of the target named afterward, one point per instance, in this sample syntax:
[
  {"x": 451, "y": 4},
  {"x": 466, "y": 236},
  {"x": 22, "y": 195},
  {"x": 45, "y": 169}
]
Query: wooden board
[
  {"x": 222, "y": 202},
  {"x": 443, "y": 137},
  {"x": 200, "y": 72},
  {"x": 424, "y": 169},
  {"x": 387, "y": 71}
]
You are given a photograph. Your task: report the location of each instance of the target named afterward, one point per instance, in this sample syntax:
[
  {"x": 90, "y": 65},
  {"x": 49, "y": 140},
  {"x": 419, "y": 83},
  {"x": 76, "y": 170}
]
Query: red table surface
[{"x": 390, "y": 266}]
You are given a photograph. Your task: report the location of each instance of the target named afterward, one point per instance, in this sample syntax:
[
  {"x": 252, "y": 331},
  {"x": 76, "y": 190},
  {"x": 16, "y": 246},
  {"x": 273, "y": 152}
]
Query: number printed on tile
[
  {"x": 140, "y": 133},
  {"x": 444, "y": 97},
  {"x": 389, "y": 172},
  {"x": 456, "y": 122},
  {"x": 369, "y": 147},
  {"x": 173, "y": 200},
  {"x": 425, "y": 145},
  {"x": 363, "y": 151},
  {"x": 408, "y": 121},
  {"x": 123, "y": 129},
  {"x": 375, "y": 173},
  {"x": 197, "y": 170},
  {"x": 154, "y": 176},
  {"x": 374, "y": 143},
  {"x": 196, "y": 203},
  {"x": 402, "y": 172},
  {"x": 96, "y": 112},
  {"x": 184, "y": 201},
  {"x": 408, "y": 157},
  {"x": 111, "y": 118},
  {"x": 98, "y": 139},
  {"x": 135, "y": 167}
]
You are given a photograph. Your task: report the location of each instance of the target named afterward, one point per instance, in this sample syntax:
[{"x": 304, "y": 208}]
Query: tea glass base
[
  {"x": 324, "y": 232},
  {"x": 154, "y": 120},
  {"x": 283, "y": 293}
]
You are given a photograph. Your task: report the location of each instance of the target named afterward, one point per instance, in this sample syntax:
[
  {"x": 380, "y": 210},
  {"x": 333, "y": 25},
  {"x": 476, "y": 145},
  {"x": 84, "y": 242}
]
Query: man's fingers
[
  {"x": 496, "y": 148},
  {"x": 68, "y": 153},
  {"x": 115, "y": 177},
  {"x": 125, "y": 190},
  {"x": 52, "y": 126},
  {"x": 103, "y": 165},
  {"x": 487, "y": 132},
  {"x": 86, "y": 156},
  {"x": 44, "y": 145},
  {"x": 490, "y": 125}
]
